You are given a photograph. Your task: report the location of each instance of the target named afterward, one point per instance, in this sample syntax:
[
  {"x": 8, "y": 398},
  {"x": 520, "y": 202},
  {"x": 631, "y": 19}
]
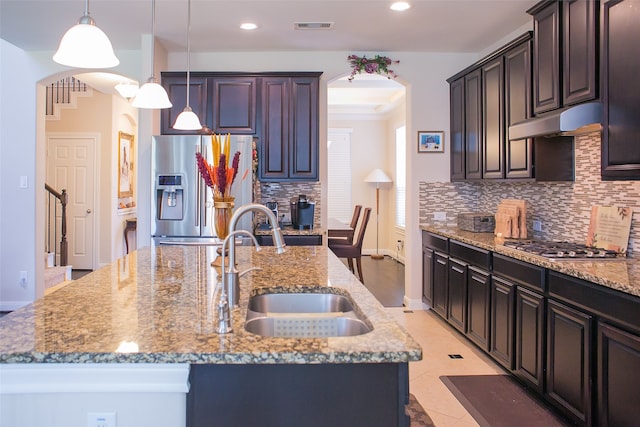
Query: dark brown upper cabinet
[
  {"x": 224, "y": 103},
  {"x": 493, "y": 119},
  {"x": 473, "y": 124},
  {"x": 564, "y": 53},
  {"x": 457, "y": 110},
  {"x": 517, "y": 91},
  {"x": 620, "y": 90},
  {"x": 176, "y": 86},
  {"x": 289, "y": 134},
  {"x": 234, "y": 104},
  {"x": 485, "y": 99}
]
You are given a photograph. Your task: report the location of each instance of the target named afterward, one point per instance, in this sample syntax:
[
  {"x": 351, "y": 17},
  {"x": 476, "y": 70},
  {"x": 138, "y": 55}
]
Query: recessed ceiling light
[
  {"x": 248, "y": 26},
  {"x": 400, "y": 6}
]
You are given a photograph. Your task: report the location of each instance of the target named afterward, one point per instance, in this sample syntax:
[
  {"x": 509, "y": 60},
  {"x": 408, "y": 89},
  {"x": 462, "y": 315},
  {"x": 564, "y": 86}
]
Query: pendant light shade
[
  {"x": 188, "y": 120},
  {"x": 151, "y": 95},
  {"x": 85, "y": 45}
]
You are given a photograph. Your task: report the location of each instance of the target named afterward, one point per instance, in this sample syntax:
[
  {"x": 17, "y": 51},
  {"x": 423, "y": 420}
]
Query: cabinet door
[
  {"x": 517, "y": 71},
  {"x": 457, "y": 295},
  {"x": 493, "y": 120},
  {"x": 529, "y": 337},
  {"x": 456, "y": 94},
  {"x": 427, "y": 275},
  {"x": 569, "y": 350},
  {"x": 176, "y": 87},
  {"x": 473, "y": 124},
  {"x": 234, "y": 104},
  {"x": 579, "y": 51},
  {"x": 546, "y": 58},
  {"x": 620, "y": 89},
  {"x": 440, "y": 283},
  {"x": 502, "y": 309},
  {"x": 303, "y": 129},
  {"x": 274, "y": 143},
  {"x": 478, "y": 298},
  {"x": 618, "y": 376}
]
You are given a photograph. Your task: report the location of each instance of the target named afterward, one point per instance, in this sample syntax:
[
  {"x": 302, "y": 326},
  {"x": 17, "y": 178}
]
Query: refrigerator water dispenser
[{"x": 170, "y": 197}]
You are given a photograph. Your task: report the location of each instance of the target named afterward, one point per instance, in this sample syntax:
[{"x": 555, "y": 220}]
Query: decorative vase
[{"x": 222, "y": 211}]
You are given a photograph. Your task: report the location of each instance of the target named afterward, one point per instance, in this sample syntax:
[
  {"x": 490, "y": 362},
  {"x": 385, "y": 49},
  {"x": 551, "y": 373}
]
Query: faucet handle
[
  {"x": 224, "y": 315},
  {"x": 248, "y": 270}
]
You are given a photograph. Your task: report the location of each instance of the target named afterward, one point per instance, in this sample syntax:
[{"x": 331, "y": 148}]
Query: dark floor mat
[
  {"x": 498, "y": 400},
  {"x": 419, "y": 417}
]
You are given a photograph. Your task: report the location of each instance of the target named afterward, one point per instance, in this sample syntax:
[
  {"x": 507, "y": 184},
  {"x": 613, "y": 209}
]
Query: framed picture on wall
[
  {"x": 430, "y": 142},
  {"x": 125, "y": 165}
]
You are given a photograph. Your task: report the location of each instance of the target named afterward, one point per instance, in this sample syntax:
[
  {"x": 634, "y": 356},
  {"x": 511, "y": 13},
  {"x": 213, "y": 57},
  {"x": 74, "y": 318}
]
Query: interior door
[{"x": 71, "y": 166}]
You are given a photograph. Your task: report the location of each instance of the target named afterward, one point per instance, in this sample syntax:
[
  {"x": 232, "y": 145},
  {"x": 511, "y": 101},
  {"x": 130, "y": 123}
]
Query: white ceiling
[{"x": 359, "y": 26}]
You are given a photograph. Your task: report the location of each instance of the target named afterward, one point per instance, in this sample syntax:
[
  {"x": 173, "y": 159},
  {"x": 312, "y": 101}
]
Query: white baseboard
[
  {"x": 12, "y": 305},
  {"x": 413, "y": 304}
]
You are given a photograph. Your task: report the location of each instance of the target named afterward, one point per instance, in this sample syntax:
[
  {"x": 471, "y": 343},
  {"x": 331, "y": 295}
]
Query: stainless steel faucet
[
  {"x": 232, "y": 276},
  {"x": 224, "y": 310}
]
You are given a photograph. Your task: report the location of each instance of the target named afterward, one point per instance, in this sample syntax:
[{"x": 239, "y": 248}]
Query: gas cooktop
[{"x": 562, "y": 250}]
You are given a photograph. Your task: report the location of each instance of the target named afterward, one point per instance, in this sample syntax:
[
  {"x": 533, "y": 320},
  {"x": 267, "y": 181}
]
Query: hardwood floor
[{"x": 385, "y": 279}]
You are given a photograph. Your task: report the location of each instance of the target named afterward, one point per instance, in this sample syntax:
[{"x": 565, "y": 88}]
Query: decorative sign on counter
[{"x": 609, "y": 228}]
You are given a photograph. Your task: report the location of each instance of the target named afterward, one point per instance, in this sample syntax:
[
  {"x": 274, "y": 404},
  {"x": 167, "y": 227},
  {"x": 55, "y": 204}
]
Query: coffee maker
[{"x": 302, "y": 211}]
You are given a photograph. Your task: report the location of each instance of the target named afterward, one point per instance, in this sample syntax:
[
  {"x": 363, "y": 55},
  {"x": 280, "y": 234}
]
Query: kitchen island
[{"x": 154, "y": 310}]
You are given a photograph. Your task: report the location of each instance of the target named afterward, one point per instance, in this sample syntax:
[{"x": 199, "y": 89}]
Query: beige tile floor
[{"x": 438, "y": 340}]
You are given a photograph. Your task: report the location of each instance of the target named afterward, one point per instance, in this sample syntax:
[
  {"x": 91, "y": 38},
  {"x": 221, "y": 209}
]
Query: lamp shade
[
  {"x": 151, "y": 95},
  {"x": 377, "y": 176},
  {"x": 85, "y": 46},
  {"x": 187, "y": 120}
]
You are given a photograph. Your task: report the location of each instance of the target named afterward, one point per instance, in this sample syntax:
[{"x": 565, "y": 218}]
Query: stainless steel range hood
[{"x": 583, "y": 118}]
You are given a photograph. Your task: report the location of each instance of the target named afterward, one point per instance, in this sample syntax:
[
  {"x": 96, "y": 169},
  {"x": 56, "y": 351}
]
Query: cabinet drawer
[
  {"x": 522, "y": 272},
  {"x": 434, "y": 241},
  {"x": 471, "y": 254},
  {"x": 605, "y": 302}
]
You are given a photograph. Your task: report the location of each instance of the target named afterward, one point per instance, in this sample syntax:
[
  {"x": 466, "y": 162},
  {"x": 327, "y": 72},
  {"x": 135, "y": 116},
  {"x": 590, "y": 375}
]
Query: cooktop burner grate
[{"x": 561, "y": 250}]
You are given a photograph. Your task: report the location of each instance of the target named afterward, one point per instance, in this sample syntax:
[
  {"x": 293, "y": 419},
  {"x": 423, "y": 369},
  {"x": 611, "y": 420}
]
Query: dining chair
[
  {"x": 348, "y": 239},
  {"x": 354, "y": 250}
]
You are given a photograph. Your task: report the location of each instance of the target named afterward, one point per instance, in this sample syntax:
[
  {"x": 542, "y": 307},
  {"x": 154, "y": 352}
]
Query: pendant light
[
  {"x": 188, "y": 120},
  {"x": 151, "y": 94},
  {"x": 85, "y": 45}
]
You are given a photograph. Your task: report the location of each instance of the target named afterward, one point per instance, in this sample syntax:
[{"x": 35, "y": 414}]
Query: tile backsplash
[
  {"x": 564, "y": 208},
  {"x": 283, "y": 192}
]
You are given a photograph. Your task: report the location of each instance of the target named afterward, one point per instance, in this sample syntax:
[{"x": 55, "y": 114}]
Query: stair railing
[
  {"x": 55, "y": 199},
  {"x": 60, "y": 92}
]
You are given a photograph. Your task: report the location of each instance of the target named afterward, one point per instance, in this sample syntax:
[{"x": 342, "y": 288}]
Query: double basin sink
[{"x": 304, "y": 315}]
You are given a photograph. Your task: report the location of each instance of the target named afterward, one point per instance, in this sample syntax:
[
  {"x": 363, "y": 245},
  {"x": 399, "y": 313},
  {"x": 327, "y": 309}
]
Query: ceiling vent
[{"x": 313, "y": 25}]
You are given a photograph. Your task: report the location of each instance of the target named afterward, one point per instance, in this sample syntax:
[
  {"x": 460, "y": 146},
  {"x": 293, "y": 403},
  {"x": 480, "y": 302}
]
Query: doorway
[
  {"x": 368, "y": 110},
  {"x": 70, "y": 164}
]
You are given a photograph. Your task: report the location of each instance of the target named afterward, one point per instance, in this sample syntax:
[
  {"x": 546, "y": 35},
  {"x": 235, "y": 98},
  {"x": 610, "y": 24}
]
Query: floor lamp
[{"x": 377, "y": 176}]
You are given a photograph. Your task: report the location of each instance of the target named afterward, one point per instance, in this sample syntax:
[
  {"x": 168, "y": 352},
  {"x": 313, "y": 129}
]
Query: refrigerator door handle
[{"x": 198, "y": 181}]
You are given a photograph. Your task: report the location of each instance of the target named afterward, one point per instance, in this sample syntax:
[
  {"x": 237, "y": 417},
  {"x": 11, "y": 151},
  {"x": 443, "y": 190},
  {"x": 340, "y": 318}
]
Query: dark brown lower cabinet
[
  {"x": 457, "y": 294},
  {"x": 478, "y": 303},
  {"x": 569, "y": 361},
  {"x": 502, "y": 309},
  {"x": 440, "y": 285},
  {"x": 427, "y": 275},
  {"x": 618, "y": 377},
  {"x": 529, "y": 337}
]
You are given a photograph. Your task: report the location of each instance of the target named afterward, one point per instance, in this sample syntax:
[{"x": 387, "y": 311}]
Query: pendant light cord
[
  {"x": 153, "y": 38},
  {"x": 86, "y": 7},
  {"x": 188, "y": 48}
]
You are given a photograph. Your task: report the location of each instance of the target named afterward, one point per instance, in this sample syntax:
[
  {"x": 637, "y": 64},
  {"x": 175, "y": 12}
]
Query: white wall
[{"x": 21, "y": 126}]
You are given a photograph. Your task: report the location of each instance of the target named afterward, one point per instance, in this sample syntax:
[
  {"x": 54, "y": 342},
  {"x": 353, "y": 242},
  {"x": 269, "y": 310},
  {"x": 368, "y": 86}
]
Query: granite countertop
[
  {"x": 155, "y": 306},
  {"x": 288, "y": 230},
  {"x": 622, "y": 275}
]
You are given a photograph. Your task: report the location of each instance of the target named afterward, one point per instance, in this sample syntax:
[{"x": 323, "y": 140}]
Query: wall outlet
[
  {"x": 400, "y": 245},
  {"x": 24, "y": 279},
  {"x": 537, "y": 225},
  {"x": 440, "y": 216},
  {"x": 101, "y": 419}
]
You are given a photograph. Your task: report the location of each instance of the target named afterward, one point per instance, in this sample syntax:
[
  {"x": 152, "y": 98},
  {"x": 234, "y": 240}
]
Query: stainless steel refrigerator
[{"x": 181, "y": 209}]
